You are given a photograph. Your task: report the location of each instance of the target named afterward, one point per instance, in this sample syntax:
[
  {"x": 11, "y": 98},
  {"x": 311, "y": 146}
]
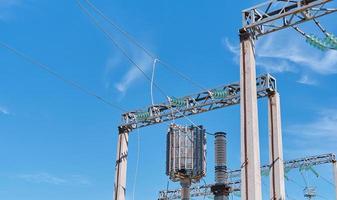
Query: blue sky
[{"x": 58, "y": 143}]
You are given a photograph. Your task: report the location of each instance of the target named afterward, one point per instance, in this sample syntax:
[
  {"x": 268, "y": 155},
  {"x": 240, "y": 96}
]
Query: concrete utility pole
[
  {"x": 277, "y": 187},
  {"x": 259, "y": 20},
  {"x": 121, "y": 163},
  {"x": 250, "y": 150}
]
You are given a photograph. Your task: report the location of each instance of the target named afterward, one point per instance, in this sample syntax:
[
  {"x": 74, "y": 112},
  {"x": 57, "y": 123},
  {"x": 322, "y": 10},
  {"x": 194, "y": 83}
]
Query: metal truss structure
[
  {"x": 234, "y": 176},
  {"x": 275, "y": 15},
  {"x": 195, "y": 104}
]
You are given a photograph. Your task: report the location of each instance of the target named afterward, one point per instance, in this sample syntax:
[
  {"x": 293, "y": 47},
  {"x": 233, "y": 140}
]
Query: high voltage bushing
[
  {"x": 220, "y": 157},
  {"x": 220, "y": 189}
]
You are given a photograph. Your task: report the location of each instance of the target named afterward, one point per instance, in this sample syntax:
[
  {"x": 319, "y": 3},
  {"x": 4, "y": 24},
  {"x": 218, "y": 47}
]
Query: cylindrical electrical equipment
[
  {"x": 186, "y": 155},
  {"x": 220, "y": 157},
  {"x": 220, "y": 189}
]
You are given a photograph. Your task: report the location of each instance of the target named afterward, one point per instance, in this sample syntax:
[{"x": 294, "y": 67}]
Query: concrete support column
[
  {"x": 121, "y": 163},
  {"x": 250, "y": 150},
  {"x": 277, "y": 187},
  {"x": 334, "y": 164},
  {"x": 185, "y": 189}
]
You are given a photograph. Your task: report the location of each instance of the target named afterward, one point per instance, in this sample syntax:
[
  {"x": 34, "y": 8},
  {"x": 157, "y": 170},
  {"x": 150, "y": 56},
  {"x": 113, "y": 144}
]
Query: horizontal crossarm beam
[
  {"x": 275, "y": 15},
  {"x": 234, "y": 176},
  {"x": 198, "y": 103}
]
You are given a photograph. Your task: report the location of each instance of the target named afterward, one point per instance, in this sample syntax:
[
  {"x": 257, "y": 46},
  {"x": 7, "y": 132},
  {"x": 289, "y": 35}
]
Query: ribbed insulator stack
[
  {"x": 178, "y": 102},
  {"x": 142, "y": 115},
  {"x": 219, "y": 94},
  {"x": 220, "y": 157},
  {"x": 220, "y": 189},
  {"x": 331, "y": 40},
  {"x": 317, "y": 42}
]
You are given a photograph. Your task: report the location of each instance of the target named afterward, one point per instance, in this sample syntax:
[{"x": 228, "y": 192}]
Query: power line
[
  {"x": 139, "y": 45},
  {"x": 327, "y": 180},
  {"x": 115, "y": 43},
  {"x": 59, "y": 76}
]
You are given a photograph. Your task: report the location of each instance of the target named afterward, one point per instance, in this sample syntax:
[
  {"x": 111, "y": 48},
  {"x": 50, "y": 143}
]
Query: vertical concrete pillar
[
  {"x": 121, "y": 163},
  {"x": 185, "y": 189},
  {"x": 277, "y": 187},
  {"x": 250, "y": 150},
  {"x": 334, "y": 164}
]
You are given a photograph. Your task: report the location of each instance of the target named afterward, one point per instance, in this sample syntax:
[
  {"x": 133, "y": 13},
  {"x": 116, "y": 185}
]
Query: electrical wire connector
[{"x": 317, "y": 42}]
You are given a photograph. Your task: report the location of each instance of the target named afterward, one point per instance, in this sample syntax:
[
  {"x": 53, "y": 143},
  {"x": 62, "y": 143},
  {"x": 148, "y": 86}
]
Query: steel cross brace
[
  {"x": 275, "y": 15},
  {"x": 234, "y": 176},
  {"x": 196, "y": 104}
]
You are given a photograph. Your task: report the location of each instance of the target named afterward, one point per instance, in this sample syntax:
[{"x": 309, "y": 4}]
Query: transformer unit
[{"x": 186, "y": 156}]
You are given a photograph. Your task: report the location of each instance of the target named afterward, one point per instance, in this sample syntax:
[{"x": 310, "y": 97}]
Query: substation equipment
[
  {"x": 258, "y": 21},
  {"x": 234, "y": 177},
  {"x": 186, "y": 156}
]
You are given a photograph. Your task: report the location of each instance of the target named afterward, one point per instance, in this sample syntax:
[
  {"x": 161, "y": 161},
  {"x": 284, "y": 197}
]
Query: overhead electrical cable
[
  {"x": 155, "y": 59},
  {"x": 327, "y": 180},
  {"x": 139, "y": 45},
  {"x": 115, "y": 43},
  {"x": 59, "y": 76}
]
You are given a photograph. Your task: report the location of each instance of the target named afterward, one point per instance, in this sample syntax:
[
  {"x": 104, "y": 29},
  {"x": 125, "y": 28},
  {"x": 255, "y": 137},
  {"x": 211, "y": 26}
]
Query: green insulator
[
  {"x": 331, "y": 40},
  {"x": 178, "y": 102},
  {"x": 265, "y": 172},
  {"x": 219, "y": 94},
  {"x": 142, "y": 115},
  {"x": 317, "y": 42},
  {"x": 237, "y": 193},
  {"x": 314, "y": 171}
]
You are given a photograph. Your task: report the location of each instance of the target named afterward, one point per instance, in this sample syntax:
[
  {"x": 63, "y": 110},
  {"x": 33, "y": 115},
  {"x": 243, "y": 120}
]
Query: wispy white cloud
[
  {"x": 133, "y": 74},
  {"x": 325, "y": 126},
  {"x": 277, "y": 53},
  {"x": 111, "y": 64},
  {"x": 48, "y": 178},
  {"x": 297, "y": 53},
  {"x": 316, "y": 136},
  {"x": 306, "y": 80},
  {"x": 4, "y": 111}
]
